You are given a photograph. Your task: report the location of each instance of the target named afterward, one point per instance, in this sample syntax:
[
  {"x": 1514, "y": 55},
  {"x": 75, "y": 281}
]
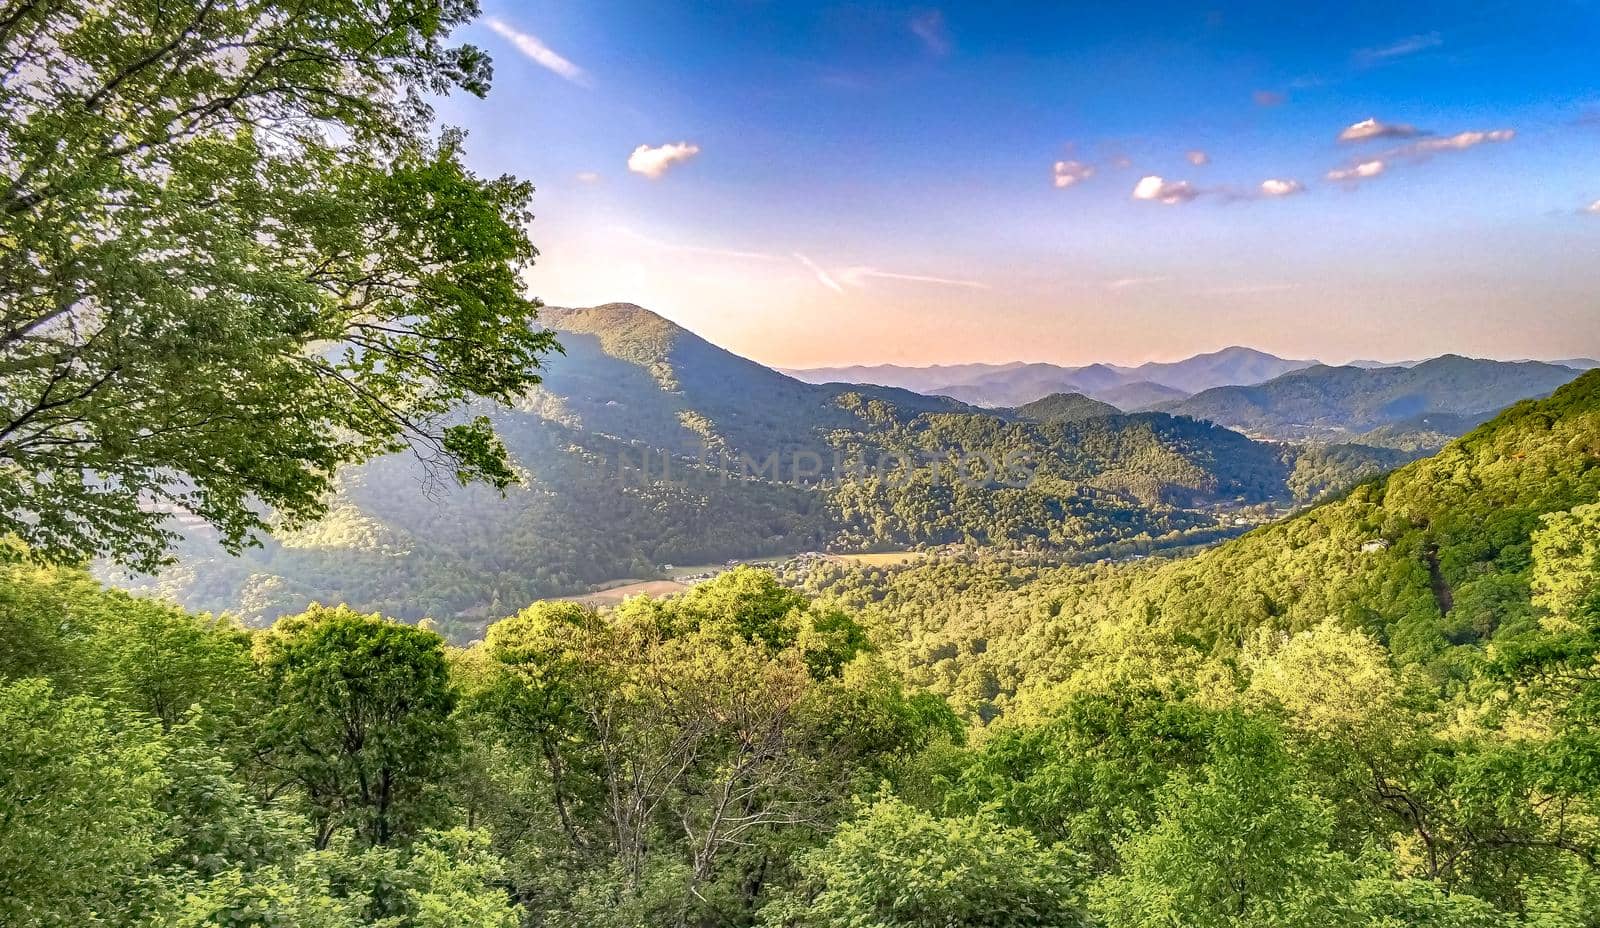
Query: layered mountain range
[{"x": 647, "y": 445}]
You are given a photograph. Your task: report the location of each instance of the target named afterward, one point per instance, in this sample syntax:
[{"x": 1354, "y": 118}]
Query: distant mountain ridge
[
  {"x": 1009, "y": 385},
  {"x": 1130, "y": 388},
  {"x": 1446, "y": 395}
]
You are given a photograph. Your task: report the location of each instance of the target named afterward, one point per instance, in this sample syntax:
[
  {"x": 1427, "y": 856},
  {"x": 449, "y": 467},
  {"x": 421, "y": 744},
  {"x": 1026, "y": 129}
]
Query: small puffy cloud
[
  {"x": 1373, "y": 129},
  {"x": 930, "y": 28},
  {"x": 1164, "y": 191},
  {"x": 1409, "y": 45},
  {"x": 588, "y": 177},
  {"x": 1273, "y": 187},
  {"x": 1358, "y": 172},
  {"x": 1269, "y": 98},
  {"x": 1593, "y": 208},
  {"x": 1197, "y": 157},
  {"x": 1068, "y": 173},
  {"x": 654, "y": 162},
  {"x": 537, "y": 52}
]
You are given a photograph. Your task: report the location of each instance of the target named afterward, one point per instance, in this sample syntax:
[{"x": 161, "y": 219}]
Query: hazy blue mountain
[
  {"x": 1339, "y": 402},
  {"x": 1230, "y": 366},
  {"x": 1140, "y": 395},
  {"x": 1367, "y": 364},
  {"x": 1010, "y": 385},
  {"x": 921, "y": 379}
]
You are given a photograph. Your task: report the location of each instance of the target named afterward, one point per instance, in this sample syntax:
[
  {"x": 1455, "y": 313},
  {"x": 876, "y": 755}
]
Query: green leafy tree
[
  {"x": 360, "y": 721},
  {"x": 1239, "y": 844},
  {"x": 898, "y": 867},
  {"x": 233, "y": 258},
  {"x": 446, "y": 880},
  {"x": 79, "y": 821}
]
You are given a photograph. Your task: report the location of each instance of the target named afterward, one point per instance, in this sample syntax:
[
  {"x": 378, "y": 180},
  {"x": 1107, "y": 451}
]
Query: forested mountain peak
[{"x": 1066, "y": 407}]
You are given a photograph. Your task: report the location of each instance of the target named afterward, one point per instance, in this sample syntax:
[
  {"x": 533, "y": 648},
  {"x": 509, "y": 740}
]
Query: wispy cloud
[
  {"x": 1275, "y": 187},
  {"x": 1373, "y": 129},
  {"x": 823, "y": 277},
  {"x": 1127, "y": 283},
  {"x": 1197, "y": 157},
  {"x": 588, "y": 177},
  {"x": 856, "y": 276},
  {"x": 930, "y": 28},
  {"x": 835, "y": 279},
  {"x": 1457, "y": 142},
  {"x": 1245, "y": 289},
  {"x": 1419, "y": 150},
  {"x": 1365, "y": 170},
  {"x": 654, "y": 162},
  {"x": 541, "y": 54},
  {"x": 1410, "y": 45},
  {"x": 698, "y": 249},
  {"x": 1161, "y": 190},
  {"x": 1593, "y": 208},
  {"x": 1269, "y": 98},
  {"x": 1067, "y": 173}
]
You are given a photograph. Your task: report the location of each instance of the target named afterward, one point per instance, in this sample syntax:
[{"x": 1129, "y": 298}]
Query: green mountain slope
[{"x": 1438, "y": 560}]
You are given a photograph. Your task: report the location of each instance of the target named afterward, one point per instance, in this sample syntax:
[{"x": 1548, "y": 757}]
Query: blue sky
[{"x": 835, "y": 183}]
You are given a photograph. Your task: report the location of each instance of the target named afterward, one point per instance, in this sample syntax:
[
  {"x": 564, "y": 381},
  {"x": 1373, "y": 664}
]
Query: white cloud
[
  {"x": 1273, "y": 187},
  {"x": 1068, "y": 173},
  {"x": 540, "y": 53},
  {"x": 1373, "y": 129},
  {"x": 823, "y": 277},
  {"x": 1593, "y": 207},
  {"x": 1164, "y": 191},
  {"x": 1358, "y": 172},
  {"x": 930, "y": 28},
  {"x": 1197, "y": 157},
  {"x": 653, "y": 162},
  {"x": 588, "y": 177},
  {"x": 1409, "y": 45}
]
